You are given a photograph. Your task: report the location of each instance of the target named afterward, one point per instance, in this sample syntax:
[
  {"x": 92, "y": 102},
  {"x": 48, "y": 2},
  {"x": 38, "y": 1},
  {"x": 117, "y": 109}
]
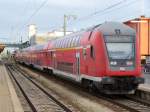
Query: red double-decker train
[{"x": 105, "y": 57}]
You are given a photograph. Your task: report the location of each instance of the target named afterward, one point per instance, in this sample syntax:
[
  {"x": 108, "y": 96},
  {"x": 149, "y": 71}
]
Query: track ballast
[{"x": 38, "y": 98}]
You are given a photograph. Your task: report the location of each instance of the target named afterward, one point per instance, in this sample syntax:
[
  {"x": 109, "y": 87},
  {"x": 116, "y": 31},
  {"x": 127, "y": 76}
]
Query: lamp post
[{"x": 67, "y": 17}]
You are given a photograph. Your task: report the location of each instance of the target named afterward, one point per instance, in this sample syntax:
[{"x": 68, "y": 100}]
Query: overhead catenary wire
[
  {"x": 45, "y": 1},
  {"x": 103, "y": 11},
  {"x": 34, "y": 13},
  {"x": 99, "y": 11},
  {"x": 24, "y": 11},
  {"x": 31, "y": 16}
]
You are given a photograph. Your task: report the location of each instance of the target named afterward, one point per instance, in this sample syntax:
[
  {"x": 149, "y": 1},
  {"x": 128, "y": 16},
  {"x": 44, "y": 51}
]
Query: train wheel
[
  {"x": 92, "y": 88},
  {"x": 50, "y": 72}
]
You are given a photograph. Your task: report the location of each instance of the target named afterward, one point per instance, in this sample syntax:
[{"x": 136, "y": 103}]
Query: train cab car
[{"x": 122, "y": 59}]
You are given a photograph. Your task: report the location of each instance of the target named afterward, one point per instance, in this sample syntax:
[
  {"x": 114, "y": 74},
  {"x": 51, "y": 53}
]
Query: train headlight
[
  {"x": 113, "y": 63},
  {"x": 129, "y": 63}
]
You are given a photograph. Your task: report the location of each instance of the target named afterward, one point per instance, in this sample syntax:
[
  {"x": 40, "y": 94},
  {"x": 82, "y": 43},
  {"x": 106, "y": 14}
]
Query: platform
[
  {"x": 147, "y": 78},
  {"x": 9, "y": 102},
  {"x": 146, "y": 85}
]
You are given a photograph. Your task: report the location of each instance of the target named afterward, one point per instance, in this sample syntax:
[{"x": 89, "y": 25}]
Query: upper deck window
[{"x": 78, "y": 43}]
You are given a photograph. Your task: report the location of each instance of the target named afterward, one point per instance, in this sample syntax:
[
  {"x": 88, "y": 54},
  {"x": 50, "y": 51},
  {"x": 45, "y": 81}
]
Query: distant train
[{"x": 105, "y": 57}]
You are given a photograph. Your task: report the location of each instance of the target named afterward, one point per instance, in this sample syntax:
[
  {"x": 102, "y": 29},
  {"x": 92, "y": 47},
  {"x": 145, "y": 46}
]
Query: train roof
[
  {"x": 111, "y": 28},
  {"x": 107, "y": 28},
  {"x": 35, "y": 48},
  {"x": 52, "y": 42},
  {"x": 39, "y": 47},
  {"x": 25, "y": 49}
]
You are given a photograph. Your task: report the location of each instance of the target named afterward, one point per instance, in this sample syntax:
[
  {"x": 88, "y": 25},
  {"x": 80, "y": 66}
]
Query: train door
[
  {"x": 78, "y": 66},
  {"x": 53, "y": 59}
]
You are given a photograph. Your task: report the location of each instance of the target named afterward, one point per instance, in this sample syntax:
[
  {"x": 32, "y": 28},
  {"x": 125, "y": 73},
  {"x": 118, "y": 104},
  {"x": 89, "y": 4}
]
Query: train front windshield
[{"x": 120, "y": 50}]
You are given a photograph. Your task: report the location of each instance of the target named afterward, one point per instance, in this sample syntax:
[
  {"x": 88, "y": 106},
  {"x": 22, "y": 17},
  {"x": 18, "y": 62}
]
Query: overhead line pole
[
  {"x": 67, "y": 17},
  {"x": 65, "y": 22}
]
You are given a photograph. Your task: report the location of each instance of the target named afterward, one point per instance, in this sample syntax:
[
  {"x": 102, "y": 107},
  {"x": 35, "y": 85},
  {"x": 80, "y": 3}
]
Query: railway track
[
  {"x": 128, "y": 103},
  {"x": 38, "y": 99}
]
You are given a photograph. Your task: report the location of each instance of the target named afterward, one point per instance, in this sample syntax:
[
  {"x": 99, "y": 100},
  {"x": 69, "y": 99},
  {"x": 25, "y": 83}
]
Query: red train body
[{"x": 105, "y": 56}]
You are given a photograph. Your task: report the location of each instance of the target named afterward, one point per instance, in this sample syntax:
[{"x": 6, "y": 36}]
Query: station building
[{"x": 41, "y": 38}]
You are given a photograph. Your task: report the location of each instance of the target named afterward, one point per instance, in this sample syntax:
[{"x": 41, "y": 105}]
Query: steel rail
[
  {"x": 23, "y": 92},
  {"x": 65, "y": 108}
]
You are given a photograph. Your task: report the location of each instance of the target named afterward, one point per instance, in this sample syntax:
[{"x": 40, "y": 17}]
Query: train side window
[
  {"x": 92, "y": 52},
  {"x": 78, "y": 43},
  {"x": 58, "y": 44},
  {"x": 69, "y": 43},
  {"x": 54, "y": 44},
  {"x": 62, "y": 43},
  {"x": 77, "y": 38},
  {"x": 71, "y": 39},
  {"x": 74, "y": 41},
  {"x": 84, "y": 52},
  {"x": 65, "y": 43}
]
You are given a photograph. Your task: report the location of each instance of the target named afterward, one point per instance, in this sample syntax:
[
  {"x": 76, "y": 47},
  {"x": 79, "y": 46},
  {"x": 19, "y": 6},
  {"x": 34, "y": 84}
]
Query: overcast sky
[{"x": 15, "y": 15}]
